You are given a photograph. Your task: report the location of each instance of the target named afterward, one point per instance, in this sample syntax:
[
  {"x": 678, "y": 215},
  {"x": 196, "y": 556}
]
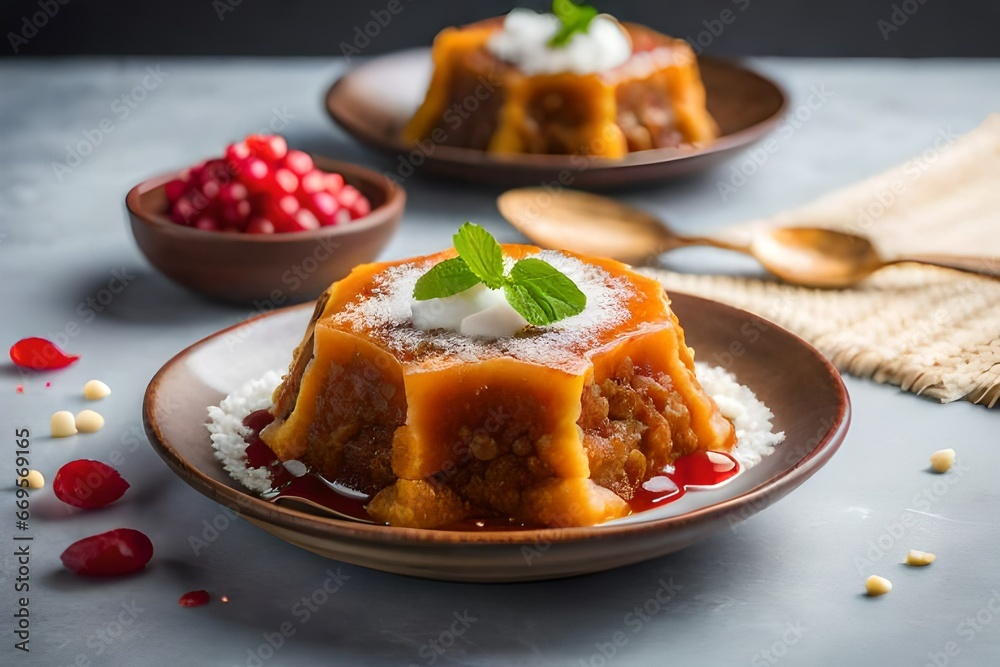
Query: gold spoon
[{"x": 595, "y": 225}]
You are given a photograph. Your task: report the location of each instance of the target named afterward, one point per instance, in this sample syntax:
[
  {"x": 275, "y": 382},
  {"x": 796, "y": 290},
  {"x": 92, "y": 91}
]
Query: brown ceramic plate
[
  {"x": 803, "y": 390},
  {"x": 375, "y": 100}
]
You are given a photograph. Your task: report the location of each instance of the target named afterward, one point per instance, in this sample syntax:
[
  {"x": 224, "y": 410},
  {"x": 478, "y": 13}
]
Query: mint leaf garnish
[
  {"x": 521, "y": 300},
  {"x": 573, "y": 17},
  {"x": 541, "y": 293},
  {"x": 534, "y": 288},
  {"x": 445, "y": 279},
  {"x": 481, "y": 253}
]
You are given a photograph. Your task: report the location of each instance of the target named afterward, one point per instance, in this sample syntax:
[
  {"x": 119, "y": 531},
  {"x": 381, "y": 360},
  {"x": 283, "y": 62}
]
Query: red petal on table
[
  {"x": 39, "y": 354},
  {"x": 120, "y": 551}
]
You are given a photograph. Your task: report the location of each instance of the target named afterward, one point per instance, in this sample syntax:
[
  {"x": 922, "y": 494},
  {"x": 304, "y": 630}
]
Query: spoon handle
[
  {"x": 671, "y": 242},
  {"x": 985, "y": 266}
]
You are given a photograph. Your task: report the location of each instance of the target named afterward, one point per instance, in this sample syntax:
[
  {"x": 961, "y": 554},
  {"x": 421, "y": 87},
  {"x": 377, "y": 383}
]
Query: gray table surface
[{"x": 784, "y": 587}]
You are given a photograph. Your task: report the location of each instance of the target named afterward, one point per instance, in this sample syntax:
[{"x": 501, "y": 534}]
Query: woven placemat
[{"x": 934, "y": 332}]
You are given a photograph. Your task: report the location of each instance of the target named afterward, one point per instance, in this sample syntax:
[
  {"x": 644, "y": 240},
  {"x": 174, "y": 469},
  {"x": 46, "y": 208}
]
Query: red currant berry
[
  {"x": 121, "y": 551},
  {"x": 88, "y": 484}
]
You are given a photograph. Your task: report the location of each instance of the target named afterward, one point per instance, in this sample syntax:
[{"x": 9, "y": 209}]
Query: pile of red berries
[{"x": 262, "y": 187}]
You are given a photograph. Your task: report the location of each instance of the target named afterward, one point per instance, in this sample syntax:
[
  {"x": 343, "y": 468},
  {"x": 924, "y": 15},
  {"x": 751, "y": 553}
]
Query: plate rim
[
  {"x": 243, "y": 502},
  {"x": 456, "y": 155}
]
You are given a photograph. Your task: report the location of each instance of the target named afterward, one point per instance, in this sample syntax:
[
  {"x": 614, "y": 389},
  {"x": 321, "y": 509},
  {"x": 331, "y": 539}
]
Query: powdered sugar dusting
[{"x": 384, "y": 314}]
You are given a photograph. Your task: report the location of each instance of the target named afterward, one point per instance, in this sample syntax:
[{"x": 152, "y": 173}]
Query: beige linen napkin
[{"x": 931, "y": 331}]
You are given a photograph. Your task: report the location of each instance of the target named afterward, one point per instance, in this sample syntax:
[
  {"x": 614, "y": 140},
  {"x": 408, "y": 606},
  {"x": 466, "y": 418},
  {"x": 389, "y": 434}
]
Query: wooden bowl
[{"x": 279, "y": 268}]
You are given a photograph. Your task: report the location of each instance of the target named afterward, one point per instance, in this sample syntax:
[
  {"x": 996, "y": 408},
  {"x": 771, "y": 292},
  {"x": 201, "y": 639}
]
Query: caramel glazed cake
[
  {"x": 610, "y": 91},
  {"x": 555, "y": 426}
]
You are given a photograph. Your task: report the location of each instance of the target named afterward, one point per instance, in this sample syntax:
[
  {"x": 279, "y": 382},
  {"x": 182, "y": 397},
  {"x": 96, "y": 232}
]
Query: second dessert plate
[
  {"x": 375, "y": 100},
  {"x": 804, "y": 391}
]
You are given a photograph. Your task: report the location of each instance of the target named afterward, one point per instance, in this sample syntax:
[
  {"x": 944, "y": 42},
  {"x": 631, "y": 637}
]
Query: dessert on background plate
[
  {"x": 573, "y": 82},
  {"x": 499, "y": 385}
]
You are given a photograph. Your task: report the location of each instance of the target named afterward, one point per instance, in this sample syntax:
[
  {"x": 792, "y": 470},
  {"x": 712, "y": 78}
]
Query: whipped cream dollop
[
  {"x": 478, "y": 311},
  {"x": 524, "y": 42}
]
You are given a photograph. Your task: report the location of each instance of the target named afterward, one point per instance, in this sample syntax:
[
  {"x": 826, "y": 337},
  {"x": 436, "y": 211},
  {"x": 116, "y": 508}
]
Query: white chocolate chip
[
  {"x": 876, "y": 585},
  {"x": 942, "y": 460},
  {"x": 918, "y": 558},
  {"x": 95, "y": 390},
  {"x": 88, "y": 421},
  {"x": 33, "y": 480},
  {"x": 63, "y": 424}
]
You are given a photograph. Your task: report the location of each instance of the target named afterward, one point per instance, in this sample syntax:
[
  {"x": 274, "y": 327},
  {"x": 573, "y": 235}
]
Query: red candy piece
[
  {"x": 260, "y": 226},
  {"x": 39, "y": 354},
  {"x": 235, "y": 214},
  {"x": 312, "y": 182},
  {"x": 305, "y": 219},
  {"x": 361, "y": 208},
  {"x": 208, "y": 224},
  {"x": 299, "y": 162},
  {"x": 233, "y": 193},
  {"x": 323, "y": 205},
  {"x": 289, "y": 204},
  {"x": 116, "y": 552},
  {"x": 238, "y": 151},
  {"x": 269, "y": 148},
  {"x": 286, "y": 181},
  {"x": 211, "y": 189},
  {"x": 342, "y": 216},
  {"x": 333, "y": 182},
  {"x": 348, "y": 196},
  {"x": 255, "y": 174},
  {"x": 175, "y": 189},
  {"x": 183, "y": 211},
  {"x": 194, "y": 599},
  {"x": 88, "y": 484}
]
